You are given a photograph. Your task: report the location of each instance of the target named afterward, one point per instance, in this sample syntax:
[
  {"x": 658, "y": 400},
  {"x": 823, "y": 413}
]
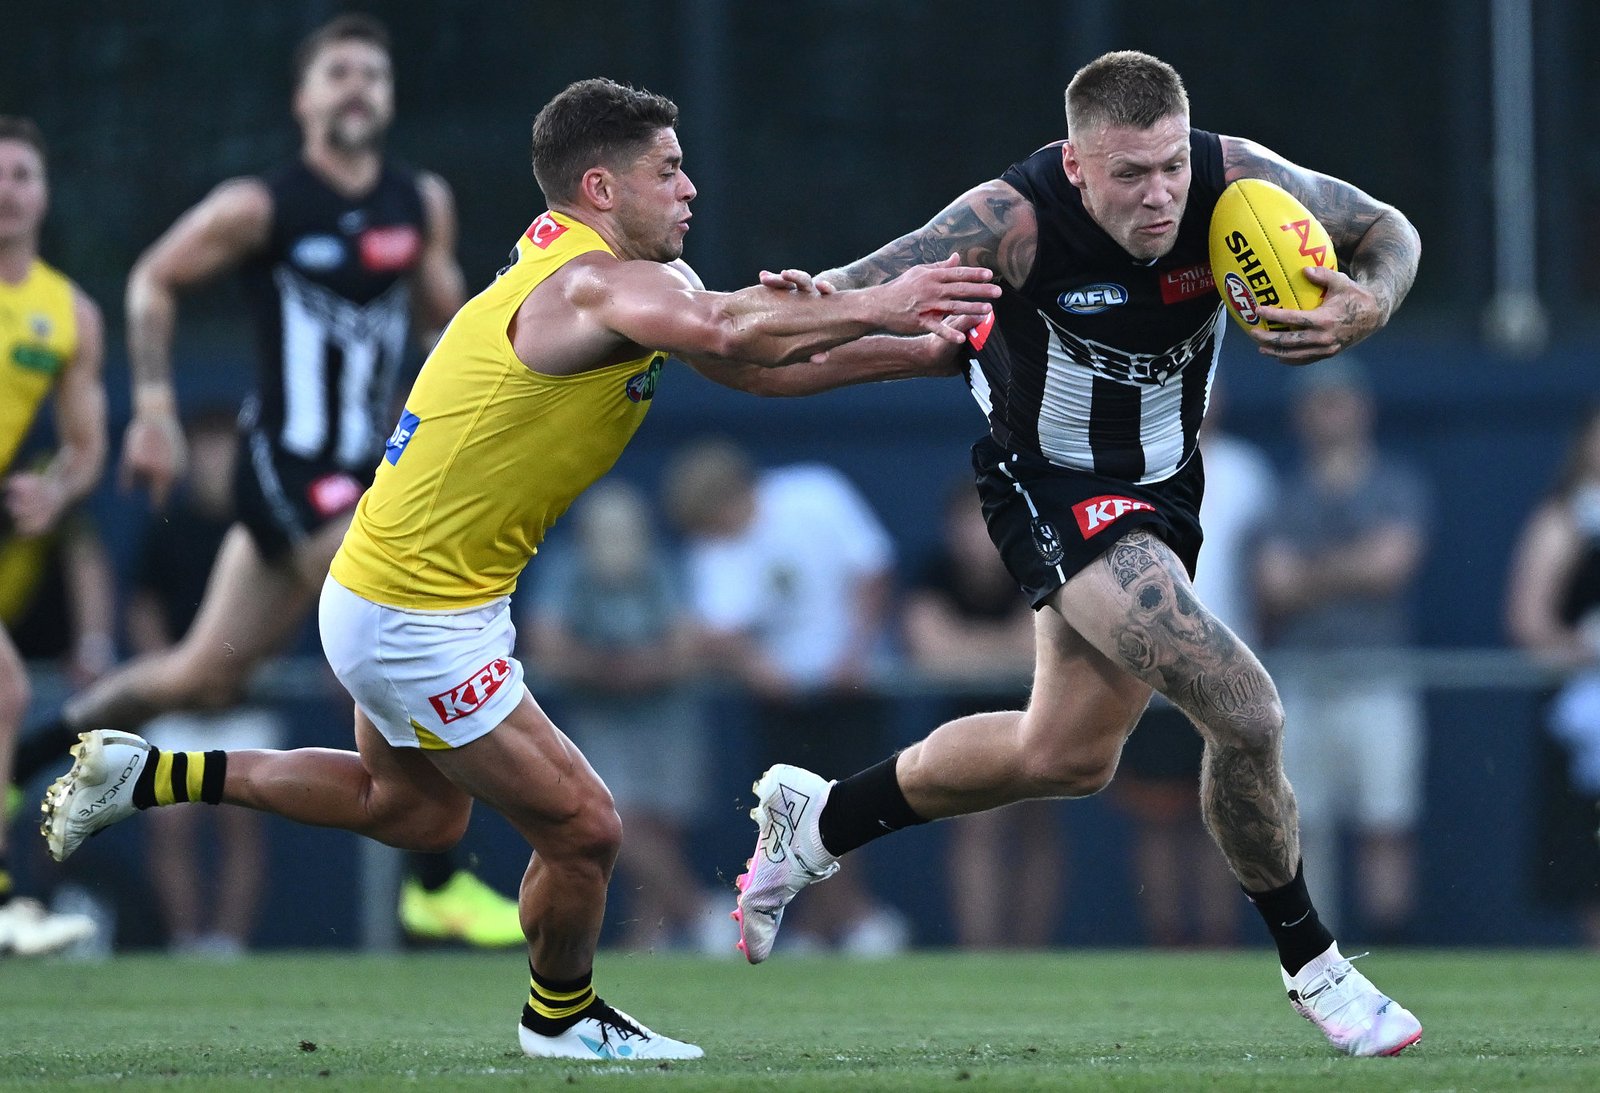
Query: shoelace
[
  {"x": 608, "y": 1019},
  {"x": 1329, "y": 982}
]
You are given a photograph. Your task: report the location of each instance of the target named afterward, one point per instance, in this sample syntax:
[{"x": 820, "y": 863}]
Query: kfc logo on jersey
[
  {"x": 544, "y": 231},
  {"x": 1099, "y": 513},
  {"x": 1178, "y": 285},
  {"x": 1092, "y": 299},
  {"x": 390, "y": 250},
  {"x": 466, "y": 698},
  {"x": 333, "y": 493}
]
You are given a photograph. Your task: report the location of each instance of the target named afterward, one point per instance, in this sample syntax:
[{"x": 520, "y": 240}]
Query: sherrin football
[{"x": 1262, "y": 240}]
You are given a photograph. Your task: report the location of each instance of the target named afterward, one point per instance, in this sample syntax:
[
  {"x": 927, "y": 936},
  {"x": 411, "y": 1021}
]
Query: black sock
[
  {"x": 863, "y": 807},
  {"x": 43, "y": 748},
  {"x": 555, "y": 1005},
  {"x": 1299, "y": 933},
  {"x": 178, "y": 777},
  {"x": 433, "y": 871},
  {"x": 5, "y": 880}
]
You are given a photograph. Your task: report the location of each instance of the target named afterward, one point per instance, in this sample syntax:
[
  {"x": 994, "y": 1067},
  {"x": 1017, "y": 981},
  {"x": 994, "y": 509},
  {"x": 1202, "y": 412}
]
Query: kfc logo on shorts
[
  {"x": 544, "y": 231},
  {"x": 466, "y": 698},
  {"x": 1099, "y": 513},
  {"x": 333, "y": 493},
  {"x": 390, "y": 250}
]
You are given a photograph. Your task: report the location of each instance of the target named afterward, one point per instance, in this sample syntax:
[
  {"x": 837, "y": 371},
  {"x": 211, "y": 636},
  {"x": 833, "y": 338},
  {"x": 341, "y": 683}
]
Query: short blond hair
[{"x": 1126, "y": 88}]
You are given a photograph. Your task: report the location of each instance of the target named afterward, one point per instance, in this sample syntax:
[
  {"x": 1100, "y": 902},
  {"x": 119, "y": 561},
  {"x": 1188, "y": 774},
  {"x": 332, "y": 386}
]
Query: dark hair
[
  {"x": 593, "y": 122},
  {"x": 1126, "y": 88},
  {"x": 345, "y": 28},
  {"x": 23, "y": 129}
]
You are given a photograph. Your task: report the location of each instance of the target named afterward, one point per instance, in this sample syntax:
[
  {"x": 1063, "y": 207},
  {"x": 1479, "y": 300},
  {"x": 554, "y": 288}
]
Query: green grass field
[{"x": 1057, "y": 1021}]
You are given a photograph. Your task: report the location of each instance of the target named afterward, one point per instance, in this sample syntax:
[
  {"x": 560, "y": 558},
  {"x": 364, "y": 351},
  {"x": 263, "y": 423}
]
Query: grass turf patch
[{"x": 1057, "y": 1020}]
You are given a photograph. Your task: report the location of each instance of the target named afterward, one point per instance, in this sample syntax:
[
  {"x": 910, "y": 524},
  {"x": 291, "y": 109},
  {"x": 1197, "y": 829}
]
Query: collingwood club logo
[{"x": 1047, "y": 542}]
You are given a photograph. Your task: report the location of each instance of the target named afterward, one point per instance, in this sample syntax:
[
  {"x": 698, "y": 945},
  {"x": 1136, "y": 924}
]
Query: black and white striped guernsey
[
  {"x": 332, "y": 313},
  {"x": 1100, "y": 362}
]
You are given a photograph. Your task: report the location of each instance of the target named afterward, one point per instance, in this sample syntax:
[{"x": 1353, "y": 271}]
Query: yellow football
[{"x": 1262, "y": 241}]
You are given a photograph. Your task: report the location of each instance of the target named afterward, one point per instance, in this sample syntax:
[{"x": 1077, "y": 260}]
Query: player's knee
[
  {"x": 1070, "y": 774},
  {"x": 203, "y": 682},
  {"x": 594, "y": 834},
  {"x": 432, "y": 830},
  {"x": 1257, "y": 727}
]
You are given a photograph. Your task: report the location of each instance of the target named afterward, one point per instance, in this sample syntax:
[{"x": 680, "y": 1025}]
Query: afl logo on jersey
[
  {"x": 1092, "y": 299},
  {"x": 642, "y": 387},
  {"x": 317, "y": 253},
  {"x": 1047, "y": 542}
]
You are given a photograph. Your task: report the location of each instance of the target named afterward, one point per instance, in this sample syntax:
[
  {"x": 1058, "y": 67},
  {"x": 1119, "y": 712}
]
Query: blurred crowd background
[{"x": 1367, "y": 524}]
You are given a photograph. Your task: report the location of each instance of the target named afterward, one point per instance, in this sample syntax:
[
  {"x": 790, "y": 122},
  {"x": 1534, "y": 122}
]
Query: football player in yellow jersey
[
  {"x": 340, "y": 245},
  {"x": 529, "y": 396},
  {"x": 50, "y": 339}
]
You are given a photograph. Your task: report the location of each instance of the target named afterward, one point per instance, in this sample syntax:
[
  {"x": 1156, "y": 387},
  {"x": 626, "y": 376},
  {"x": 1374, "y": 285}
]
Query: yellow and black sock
[
  {"x": 177, "y": 777},
  {"x": 556, "y": 1005},
  {"x": 5, "y": 881}
]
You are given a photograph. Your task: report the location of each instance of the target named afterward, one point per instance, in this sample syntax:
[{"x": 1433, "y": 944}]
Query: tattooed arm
[
  {"x": 1376, "y": 244},
  {"x": 992, "y": 226}
]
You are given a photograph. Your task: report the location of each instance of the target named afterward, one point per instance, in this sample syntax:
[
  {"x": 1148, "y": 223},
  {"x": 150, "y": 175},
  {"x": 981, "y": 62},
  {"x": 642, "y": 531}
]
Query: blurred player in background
[
  {"x": 529, "y": 397},
  {"x": 1094, "y": 376},
  {"x": 344, "y": 253},
  {"x": 50, "y": 340}
]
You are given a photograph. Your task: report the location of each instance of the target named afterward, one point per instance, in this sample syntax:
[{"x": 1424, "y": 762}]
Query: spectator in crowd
[
  {"x": 969, "y": 626},
  {"x": 790, "y": 574},
  {"x": 1336, "y": 571},
  {"x": 1553, "y": 610},
  {"x": 175, "y": 562},
  {"x": 1186, "y": 893},
  {"x": 610, "y": 626}
]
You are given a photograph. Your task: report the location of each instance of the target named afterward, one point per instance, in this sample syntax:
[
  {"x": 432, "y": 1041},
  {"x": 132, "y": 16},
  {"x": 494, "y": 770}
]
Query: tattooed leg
[{"x": 1138, "y": 605}]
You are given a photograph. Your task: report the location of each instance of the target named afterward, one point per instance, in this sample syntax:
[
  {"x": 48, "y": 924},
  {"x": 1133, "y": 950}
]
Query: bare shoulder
[
  {"x": 85, "y": 310},
  {"x": 1344, "y": 209},
  {"x": 244, "y": 201}
]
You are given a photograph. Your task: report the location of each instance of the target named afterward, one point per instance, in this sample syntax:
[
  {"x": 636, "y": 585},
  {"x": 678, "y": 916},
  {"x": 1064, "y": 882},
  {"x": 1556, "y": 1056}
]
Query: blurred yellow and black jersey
[
  {"x": 38, "y": 338},
  {"x": 489, "y": 453}
]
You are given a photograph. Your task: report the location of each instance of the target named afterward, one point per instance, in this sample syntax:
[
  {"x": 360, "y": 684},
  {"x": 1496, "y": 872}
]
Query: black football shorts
[
  {"x": 1050, "y": 522},
  {"x": 282, "y": 499}
]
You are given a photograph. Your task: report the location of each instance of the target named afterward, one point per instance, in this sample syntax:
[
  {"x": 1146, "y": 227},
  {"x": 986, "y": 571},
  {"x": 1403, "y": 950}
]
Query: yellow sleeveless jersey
[
  {"x": 38, "y": 337},
  {"x": 488, "y": 453}
]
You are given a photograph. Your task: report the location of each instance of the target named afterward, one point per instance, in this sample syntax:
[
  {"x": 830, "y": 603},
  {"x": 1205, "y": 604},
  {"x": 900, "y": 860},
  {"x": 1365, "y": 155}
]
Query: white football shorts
[{"x": 427, "y": 679}]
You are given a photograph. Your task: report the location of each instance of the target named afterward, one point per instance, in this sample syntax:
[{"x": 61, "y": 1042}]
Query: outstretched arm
[
  {"x": 872, "y": 359},
  {"x": 992, "y": 226},
  {"x": 229, "y": 224},
  {"x": 1377, "y": 245},
  {"x": 605, "y": 306}
]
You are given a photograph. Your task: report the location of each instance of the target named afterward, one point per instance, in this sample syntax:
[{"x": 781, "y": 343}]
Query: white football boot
[
  {"x": 28, "y": 929},
  {"x": 1355, "y": 1016},
  {"x": 607, "y": 1034},
  {"x": 96, "y": 792},
  {"x": 789, "y": 854}
]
